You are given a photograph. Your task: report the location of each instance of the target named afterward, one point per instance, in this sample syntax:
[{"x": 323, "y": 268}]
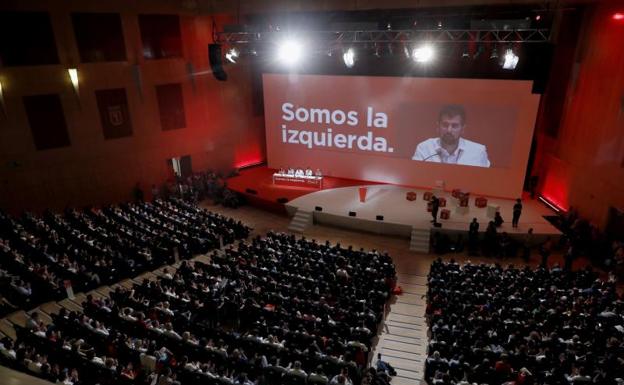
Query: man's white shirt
[{"x": 468, "y": 153}]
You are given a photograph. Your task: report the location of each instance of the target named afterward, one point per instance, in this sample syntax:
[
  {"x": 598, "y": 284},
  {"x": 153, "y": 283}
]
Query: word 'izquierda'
[{"x": 327, "y": 138}]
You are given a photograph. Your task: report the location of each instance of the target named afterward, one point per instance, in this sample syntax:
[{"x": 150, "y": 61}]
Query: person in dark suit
[
  {"x": 435, "y": 206},
  {"x": 474, "y": 227},
  {"x": 473, "y": 237},
  {"x": 517, "y": 211}
]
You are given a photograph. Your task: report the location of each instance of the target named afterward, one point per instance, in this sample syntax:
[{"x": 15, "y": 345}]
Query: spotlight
[
  {"x": 538, "y": 17},
  {"x": 232, "y": 55},
  {"x": 618, "y": 16},
  {"x": 349, "y": 58},
  {"x": 73, "y": 77},
  {"x": 423, "y": 54},
  {"x": 290, "y": 52},
  {"x": 510, "y": 60}
]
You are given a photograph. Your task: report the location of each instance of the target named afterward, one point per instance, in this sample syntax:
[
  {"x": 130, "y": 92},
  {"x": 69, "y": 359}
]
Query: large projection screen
[{"x": 472, "y": 134}]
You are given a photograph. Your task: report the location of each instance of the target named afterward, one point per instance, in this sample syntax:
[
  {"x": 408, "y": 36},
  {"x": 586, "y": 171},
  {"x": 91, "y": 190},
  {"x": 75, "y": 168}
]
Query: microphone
[{"x": 432, "y": 155}]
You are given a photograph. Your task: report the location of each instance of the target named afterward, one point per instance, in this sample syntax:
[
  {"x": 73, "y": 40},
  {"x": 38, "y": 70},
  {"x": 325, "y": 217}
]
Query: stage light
[
  {"x": 550, "y": 204},
  {"x": 618, "y": 16},
  {"x": 290, "y": 52},
  {"x": 73, "y": 76},
  {"x": 423, "y": 54},
  {"x": 538, "y": 17},
  {"x": 510, "y": 60},
  {"x": 349, "y": 58},
  {"x": 232, "y": 55}
]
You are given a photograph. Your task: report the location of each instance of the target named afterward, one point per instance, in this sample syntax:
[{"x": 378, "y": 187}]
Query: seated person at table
[
  {"x": 282, "y": 170},
  {"x": 318, "y": 172},
  {"x": 299, "y": 172},
  {"x": 309, "y": 172},
  {"x": 291, "y": 171}
]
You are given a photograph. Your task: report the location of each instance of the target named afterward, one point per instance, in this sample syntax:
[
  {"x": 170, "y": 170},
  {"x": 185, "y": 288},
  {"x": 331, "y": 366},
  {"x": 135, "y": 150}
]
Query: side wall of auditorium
[
  {"x": 582, "y": 164},
  {"x": 222, "y": 130}
]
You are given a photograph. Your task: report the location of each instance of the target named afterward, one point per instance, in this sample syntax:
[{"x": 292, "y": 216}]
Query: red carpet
[{"x": 260, "y": 180}]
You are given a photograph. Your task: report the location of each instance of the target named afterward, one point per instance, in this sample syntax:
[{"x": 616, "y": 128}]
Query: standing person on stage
[
  {"x": 473, "y": 237},
  {"x": 435, "y": 206},
  {"x": 450, "y": 147},
  {"x": 474, "y": 227},
  {"x": 517, "y": 211}
]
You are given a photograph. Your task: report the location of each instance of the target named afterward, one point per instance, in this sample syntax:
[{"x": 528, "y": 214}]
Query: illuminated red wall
[
  {"x": 221, "y": 130},
  {"x": 583, "y": 165}
]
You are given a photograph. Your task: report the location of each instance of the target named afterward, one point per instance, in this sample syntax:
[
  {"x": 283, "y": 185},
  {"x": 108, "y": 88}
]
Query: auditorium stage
[
  {"x": 340, "y": 196},
  {"x": 400, "y": 215},
  {"x": 257, "y": 184}
]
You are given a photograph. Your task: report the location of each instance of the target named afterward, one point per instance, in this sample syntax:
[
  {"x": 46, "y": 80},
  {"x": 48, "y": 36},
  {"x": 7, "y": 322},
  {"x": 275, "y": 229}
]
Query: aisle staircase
[
  {"x": 404, "y": 332},
  {"x": 300, "y": 221},
  {"x": 420, "y": 240}
]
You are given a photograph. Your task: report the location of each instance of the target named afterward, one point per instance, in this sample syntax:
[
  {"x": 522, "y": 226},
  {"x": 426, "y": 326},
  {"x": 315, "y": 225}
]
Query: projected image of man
[{"x": 450, "y": 147}]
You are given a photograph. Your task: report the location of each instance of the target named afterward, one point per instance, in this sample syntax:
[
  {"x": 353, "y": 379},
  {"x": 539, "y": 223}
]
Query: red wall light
[{"x": 619, "y": 16}]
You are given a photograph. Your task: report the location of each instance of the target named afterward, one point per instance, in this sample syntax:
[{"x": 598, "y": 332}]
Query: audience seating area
[
  {"x": 93, "y": 247},
  {"x": 273, "y": 310},
  {"x": 491, "y": 325}
]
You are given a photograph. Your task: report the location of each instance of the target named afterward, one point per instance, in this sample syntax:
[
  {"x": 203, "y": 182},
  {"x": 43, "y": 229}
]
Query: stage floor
[
  {"x": 389, "y": 201},
  {"x": 339, "y": 196}
]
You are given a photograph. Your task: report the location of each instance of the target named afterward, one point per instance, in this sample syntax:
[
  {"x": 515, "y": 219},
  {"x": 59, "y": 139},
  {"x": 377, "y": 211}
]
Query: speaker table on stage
[
  {"x": 481, "y": 202},
  {"x": 445, "y": 214},
  {"x": 410, "y": 196}
]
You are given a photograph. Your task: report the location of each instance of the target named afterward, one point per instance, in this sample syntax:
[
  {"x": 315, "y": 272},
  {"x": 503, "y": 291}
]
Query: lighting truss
[{"x": 396, "y": 36}]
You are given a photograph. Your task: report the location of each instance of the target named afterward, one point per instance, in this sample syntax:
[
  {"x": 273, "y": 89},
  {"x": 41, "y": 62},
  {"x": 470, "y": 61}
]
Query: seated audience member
[{"x": 522, "y": 326}]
